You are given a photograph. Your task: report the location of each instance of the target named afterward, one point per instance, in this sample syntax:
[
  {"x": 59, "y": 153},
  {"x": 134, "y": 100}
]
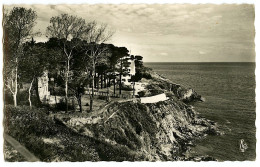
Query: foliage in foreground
[
  {"x": 50, "y": 140},
  {"x": 31, "y": 127},
  {"x": 11, "y": 155}
]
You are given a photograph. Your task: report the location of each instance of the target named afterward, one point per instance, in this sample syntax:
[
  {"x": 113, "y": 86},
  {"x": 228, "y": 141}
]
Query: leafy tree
[
  {"x": 138, "y": 62},
  {"x": 117, "y": 63},
  {"x": 33, "y": 64},
  {"x": 102, "y": 69},
  {"x": 17, "y": 27},
  {"x": 96, "y": 50},
  {"x": 80, "y": 74},
  {"x": 66, "y": 27},
  {"x": 123, "y": 65},
  {"x": 141, "y": 70},
  {"x": 80, "y": 80},
  {"x": 135, "y": 78}
]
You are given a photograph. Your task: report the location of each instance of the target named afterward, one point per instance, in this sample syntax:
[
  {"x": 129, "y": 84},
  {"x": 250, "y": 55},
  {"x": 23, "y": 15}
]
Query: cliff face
[
  {"x": 155, "y": 131},
  {"x": 159, "y": 131}
]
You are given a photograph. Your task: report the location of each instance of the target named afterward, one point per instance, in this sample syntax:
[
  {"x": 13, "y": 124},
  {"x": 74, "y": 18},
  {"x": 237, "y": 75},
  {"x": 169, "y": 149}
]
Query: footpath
[{"x": 21, "y": 149}]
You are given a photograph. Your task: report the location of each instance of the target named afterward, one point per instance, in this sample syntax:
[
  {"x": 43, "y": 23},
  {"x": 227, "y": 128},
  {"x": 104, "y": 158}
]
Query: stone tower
[{"x": 43, "y": 87}]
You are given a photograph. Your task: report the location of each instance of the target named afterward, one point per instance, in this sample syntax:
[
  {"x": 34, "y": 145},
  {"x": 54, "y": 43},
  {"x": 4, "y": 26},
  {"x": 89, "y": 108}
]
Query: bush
[
  {"x": 127, "y": 87},
  {"x": 29, "y": 126},
  {"x": 22, "y": 98},
  {"x": 141, "y": 93},
  {"x": 169, "y": 94},
  {"x": 146, "y": 76},
  {"x": 154, "y": 92},
  {"x": 58, "y": 91},
  {"x": 102, "y": 97},
  {"x": 62, "y": 106},
  {"x": 8, "y": 98}
]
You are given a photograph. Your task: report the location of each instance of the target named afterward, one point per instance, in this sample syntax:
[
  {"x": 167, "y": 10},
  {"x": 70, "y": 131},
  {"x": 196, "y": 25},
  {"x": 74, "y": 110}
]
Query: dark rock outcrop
[
  {"x": 160, "y": 84},
  {"x": 155, "y": 131},
  {"x": 159, "y": 131}
]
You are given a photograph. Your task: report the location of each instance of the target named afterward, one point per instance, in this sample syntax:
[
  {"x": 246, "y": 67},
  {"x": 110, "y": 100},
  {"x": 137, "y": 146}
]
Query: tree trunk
[
  {"x": 92, "y": 89},
  {"x": 37, "y": 92},
  {"x": 54, "y": 93},
  {"x": 66, "y": 84},
  {"x": 14, "y": 98},
  {"x": 16, "y": 85},
  {"x": 133, "y": 89},
  {"x": 109, "y": 81},
  {"x": 29, "y": 91},
  {"x": 80, "y": 106},
  {"x": 120, "y": 77},
  {"x": 79, "y": 102},
  {"x": 115, "y": 86},
  {"x": 97, "y": 81},
  {"x": 66, "y": 95},
  {"x": 108, "y": 97},
  {"x": 120, "y": 83},
  {"x": 90, "y": 83},
  {"x": 105, "y": 80},
  {"x": 101, "y": 85}
]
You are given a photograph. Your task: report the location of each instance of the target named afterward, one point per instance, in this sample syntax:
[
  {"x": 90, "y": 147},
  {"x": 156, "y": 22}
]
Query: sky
[{"x": 168, "y": 32}]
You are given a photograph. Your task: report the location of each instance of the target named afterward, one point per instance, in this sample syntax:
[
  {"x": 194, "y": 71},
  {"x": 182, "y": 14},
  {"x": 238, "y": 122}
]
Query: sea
[{"x": 229, "y": 92}]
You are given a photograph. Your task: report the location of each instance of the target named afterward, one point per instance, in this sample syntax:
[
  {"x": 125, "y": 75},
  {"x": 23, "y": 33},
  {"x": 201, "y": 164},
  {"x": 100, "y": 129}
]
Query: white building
[
  {"x": 43, "y": 87},
  {"x": 126, "y": 78}
]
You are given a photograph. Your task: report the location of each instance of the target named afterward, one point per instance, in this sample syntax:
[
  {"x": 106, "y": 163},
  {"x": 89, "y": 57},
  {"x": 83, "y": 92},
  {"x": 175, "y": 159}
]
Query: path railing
[{"x": 103, "y": 93}]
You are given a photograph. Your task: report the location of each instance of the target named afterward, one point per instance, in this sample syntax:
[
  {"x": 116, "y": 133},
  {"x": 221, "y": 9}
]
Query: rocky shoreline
[{"x": 162, "y": 131}]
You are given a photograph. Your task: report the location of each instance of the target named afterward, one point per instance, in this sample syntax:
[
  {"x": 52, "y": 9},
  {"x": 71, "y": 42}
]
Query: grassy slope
[{"x": 52, "y": 141}]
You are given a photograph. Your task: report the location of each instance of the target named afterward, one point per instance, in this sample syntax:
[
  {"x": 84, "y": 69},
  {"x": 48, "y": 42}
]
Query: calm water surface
[{"x": 229, "y": 89}]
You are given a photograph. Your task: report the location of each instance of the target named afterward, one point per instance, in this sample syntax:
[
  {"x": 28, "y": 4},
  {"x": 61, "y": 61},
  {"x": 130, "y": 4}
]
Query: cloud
[
  {"x": 202, "y": 52},
  {"x": 180, "y": 32},
  {"x": 164, "y": 54}
]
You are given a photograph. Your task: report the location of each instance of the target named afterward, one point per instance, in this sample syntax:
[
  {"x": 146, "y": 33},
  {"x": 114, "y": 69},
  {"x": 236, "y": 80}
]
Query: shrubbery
[
  {"x": 101, "y": 97},
  {"x": 59, "y": 91},
  {"x": 62, "y": 106},
  {"x": 22, "y": 98},
  {"x": 127, "y": 87},
  {"x": 30, "y": 126},
  {"x": 8, "y": 99},
  {"x": 141, "y": 93},
  {"x": 146, "y": 75}
]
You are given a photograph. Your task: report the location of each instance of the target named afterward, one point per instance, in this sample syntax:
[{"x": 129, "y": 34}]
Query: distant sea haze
[{"x": 229, "y": 90}]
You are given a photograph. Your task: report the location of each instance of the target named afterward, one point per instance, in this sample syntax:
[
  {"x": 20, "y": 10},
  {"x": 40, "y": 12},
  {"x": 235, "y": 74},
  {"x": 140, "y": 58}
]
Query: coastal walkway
[
  {"x": 104, "y": 93},
  {"x": 21, "y": 149}
]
